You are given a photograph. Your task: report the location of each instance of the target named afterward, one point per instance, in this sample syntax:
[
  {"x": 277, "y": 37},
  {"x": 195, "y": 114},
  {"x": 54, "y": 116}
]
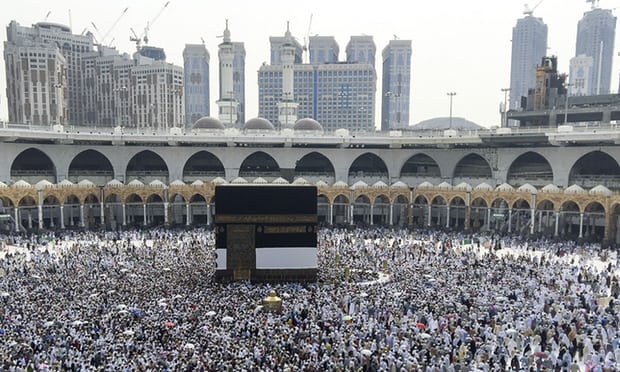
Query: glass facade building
[
  {"x": 339, "y": 95},
  {"x": 196, "y": 68},
  {"x": 595, "y": 38},
  {"x": 396, "y": 85},
  {"x": 529, "y": 46}
]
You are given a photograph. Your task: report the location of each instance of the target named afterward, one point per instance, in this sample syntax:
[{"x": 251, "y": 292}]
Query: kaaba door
[{"x": 241, "y": 250}]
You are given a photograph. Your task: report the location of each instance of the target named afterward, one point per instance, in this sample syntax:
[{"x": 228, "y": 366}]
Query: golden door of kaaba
[{"x": 241, "y": 250}]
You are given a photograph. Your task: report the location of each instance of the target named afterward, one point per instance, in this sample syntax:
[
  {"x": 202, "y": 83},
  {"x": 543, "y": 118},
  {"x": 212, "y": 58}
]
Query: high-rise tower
[
  {"x": 595, "y": 38},
  {"x": 196, "y": 69},
  {"x": 227, "y": 103},
  {"x": 323, "y": 49},
  {"x": 396, "y": 85},
  {"x": 72, "y": 47},
  {"x": 239, "y": 80},
  {"x": 287, "y": 107},
  {"x": 529, "y": 46}
]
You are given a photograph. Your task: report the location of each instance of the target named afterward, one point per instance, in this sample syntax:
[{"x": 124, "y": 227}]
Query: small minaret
[
  {"x": 227, "y": 103},
  {"x": 287, "y": 108}
]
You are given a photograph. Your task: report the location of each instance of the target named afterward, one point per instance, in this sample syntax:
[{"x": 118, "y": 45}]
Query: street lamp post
[
  {"x": 451, "y": 95},
  {"x": 505, "y": 113},
  {"x": 566, "y": 103}
]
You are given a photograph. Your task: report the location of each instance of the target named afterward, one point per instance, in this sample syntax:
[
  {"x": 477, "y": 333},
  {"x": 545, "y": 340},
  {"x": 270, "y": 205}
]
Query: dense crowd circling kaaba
[{"x": 386, "y": 300}]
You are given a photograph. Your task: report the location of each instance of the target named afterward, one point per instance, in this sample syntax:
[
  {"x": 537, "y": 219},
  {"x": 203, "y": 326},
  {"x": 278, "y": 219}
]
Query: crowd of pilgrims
[{"x": 386, "y": 300}]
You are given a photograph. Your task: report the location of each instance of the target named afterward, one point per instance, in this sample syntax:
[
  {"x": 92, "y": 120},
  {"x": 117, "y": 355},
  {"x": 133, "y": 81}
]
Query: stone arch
[
  {"x": 315, "y": 166},
  {"x": 419, "y": 212},
  {"x": 147, "y": 166},
  {"x": 323, "y": 208},
  {"x": 593, "y": 228},
  {"x": 593, "y": 169},
  {"x": 369, "y": 168},
  {"x": 198, "y": 209},
  {"x": 203, "y": 165},
  {"x": 458, "y": 212},
  {"x": 614, "y": 225},
  {"x": 400, "y": 213},
  {"x": 361, "y": 209},
  {"x": 91, "y": 165},
  {"x": 439, "y": 211},
  {"x": 134, "y": 209},
  {"x": 178, "y": 209},
  {"x": 420, "y": 166},
  {"x": 569, "y": 219},
  {"x": 259, "y": 164},
  {"x": 381, "y": 210},
  {"x": 478, "y": 214},
  {"x": 472, "y": 167},
  {"x": 530, "y": 167},
  {"x": 33, "y": 165},
  {"x": 341, "y": 209}
]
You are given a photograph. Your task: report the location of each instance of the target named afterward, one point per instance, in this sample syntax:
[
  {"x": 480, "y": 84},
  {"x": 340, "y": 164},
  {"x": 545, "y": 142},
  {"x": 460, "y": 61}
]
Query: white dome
[
  {"x": 21, "y": 184},
  {"x": 340, "y": 184},
  {"x": 444, "y": 185},
  {"x": 463, "y": 186},
  {"x": 574, "y": 189},
  {"x": 218, "y": 180},
  {"x": 321, "y": 183},
  {"x": 239, "y": 180},
  {"x": 198, "y": 183},
  {"x": 300, "y": 181},
  {"x": 483, "y": 187},
  {"x": 135, "y": 183},
  {"x": 177, "y": 183},
  {"x": 504, "y": 187},
  {"x": 425, "y": 185},
  {"x": 400, "y": 184},
  {"x": 157, "y": 183},
  {"x": 528, "y": 188},
  {"x": 86, "y": 183},
  {"x": 359, "y": 184},
  {"x": 550, "y": 188},
  {"x": 43, "y": 184},
  {"x": 260, "y": 181},
  {"x": 114, "y": 183},
  {"x": 379, "y": 185},
  {"x": 600, "y": 190},
  {"x": 66, "y": 183},
  {"x": 280, "y": 181}
]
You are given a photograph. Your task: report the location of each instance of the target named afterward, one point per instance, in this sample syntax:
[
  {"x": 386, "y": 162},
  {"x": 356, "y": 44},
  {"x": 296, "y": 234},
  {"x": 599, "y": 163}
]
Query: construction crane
[
  {"x": 145, "y": 34},
  {"x": 307, "y": 40},
  {"x": 102, "y": 38},
  {"x": 594, "y": 3},
  {"x": 528, "y": 11}
]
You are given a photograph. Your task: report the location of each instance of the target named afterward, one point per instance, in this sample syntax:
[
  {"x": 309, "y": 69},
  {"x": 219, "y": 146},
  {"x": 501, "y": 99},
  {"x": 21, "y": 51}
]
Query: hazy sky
[{"x": 458, "y": 45}]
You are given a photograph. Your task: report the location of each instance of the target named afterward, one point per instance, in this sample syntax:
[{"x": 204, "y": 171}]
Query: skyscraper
[
  {"x": 239, "y": 80},
  {"x": 396, "y": 85},
  {"x": 323, "y": 49},
  {"x": 36, "y": 80},
  {"x": 361, "y": 49},
  {"x": 595, "y": 38},
  {"x": 336, "y": 94},
  {"x": 529, "y": 46},
  {"x": 196, "y": 69},
  {"x": 277, "y": 42},
  {"x": 71, "y": 46}
]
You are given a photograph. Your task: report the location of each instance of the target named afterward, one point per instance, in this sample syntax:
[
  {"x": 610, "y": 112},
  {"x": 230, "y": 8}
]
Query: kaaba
[{"x": 266, "y": 233}]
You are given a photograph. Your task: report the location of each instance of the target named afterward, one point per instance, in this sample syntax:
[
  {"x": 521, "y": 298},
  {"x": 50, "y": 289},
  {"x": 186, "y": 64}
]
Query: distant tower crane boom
[
  {"x": 113, "y": 25},
  {"x": 145, "y": 34},
  {"x": 528, "y": 11},
  {"x": 307, "y": 39}
]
